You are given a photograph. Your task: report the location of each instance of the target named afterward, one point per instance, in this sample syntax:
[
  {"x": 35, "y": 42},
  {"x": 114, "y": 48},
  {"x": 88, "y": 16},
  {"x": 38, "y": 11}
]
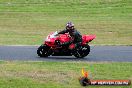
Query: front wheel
[
  {"x": 82, "y": 51},
  {"x": 43, "y": 51}
]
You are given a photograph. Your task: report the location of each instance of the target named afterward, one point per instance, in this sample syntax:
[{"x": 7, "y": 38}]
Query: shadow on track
[{"x": 62, "y": 58}]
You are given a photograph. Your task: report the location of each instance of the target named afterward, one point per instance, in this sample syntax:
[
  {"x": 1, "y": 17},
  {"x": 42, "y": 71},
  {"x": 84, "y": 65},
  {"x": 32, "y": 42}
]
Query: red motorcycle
[{"x": 53, "y": 40}]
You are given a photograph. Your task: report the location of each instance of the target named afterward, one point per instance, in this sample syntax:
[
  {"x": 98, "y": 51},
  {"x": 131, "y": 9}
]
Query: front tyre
[
  {"x": 43, "y": 51},
  {"x": 82, "y": 51}
]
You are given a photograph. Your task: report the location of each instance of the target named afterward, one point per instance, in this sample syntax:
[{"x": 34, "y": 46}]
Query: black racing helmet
[{"x": 70, "y": 26}]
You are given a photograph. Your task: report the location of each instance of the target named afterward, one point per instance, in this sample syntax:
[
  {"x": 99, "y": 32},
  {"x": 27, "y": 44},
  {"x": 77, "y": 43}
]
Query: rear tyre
[
  {"x": 82, "y": 51},
  {"x": 43, "y": 51}
]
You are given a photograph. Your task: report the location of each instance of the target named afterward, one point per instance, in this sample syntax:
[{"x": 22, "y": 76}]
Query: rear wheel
[
  {"x": 82, "y": 51},
  {"x": 43, "y": 51}
]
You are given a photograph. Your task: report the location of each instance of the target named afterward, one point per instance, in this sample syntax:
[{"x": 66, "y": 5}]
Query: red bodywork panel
[
  {"x": 50, "y": 40},
  {"x": 88, "y": 38},
  {"x": 64, "y": 38}
]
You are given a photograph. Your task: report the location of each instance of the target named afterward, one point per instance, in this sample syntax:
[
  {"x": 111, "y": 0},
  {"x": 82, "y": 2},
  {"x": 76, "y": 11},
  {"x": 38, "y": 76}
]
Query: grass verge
[
  {"x": 18, "y": 74},
  {"x": 29, "y": 21}
]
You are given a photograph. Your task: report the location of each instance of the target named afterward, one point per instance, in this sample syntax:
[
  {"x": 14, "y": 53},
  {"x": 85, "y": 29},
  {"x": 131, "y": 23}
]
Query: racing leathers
[{"x": 75, "y": 35}]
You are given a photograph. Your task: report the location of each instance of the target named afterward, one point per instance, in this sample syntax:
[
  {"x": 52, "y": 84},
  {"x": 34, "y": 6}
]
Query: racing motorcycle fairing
[
  {"x": 88, "y": 38},
  {"x": 51, "y": 46}
]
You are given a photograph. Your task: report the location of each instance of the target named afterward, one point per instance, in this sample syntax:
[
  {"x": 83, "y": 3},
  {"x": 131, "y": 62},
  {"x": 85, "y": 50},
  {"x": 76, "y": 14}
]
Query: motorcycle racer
[
  {"x": 67, "y": 43},
  {"x": 76, "y": 37}
]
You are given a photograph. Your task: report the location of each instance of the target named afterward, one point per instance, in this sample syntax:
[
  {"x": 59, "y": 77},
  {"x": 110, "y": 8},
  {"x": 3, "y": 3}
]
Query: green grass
[
  {"x": 29, "y": 21},
  {"x": 16, "y": 74}
]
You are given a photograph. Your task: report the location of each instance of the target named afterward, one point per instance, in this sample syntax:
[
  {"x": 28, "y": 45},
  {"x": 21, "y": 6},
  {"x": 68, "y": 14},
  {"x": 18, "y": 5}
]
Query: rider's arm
[{"x": 63, "y": 31}]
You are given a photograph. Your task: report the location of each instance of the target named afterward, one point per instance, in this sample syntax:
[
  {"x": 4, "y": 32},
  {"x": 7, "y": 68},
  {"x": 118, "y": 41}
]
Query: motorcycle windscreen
[{"x": 51, "y": 39}]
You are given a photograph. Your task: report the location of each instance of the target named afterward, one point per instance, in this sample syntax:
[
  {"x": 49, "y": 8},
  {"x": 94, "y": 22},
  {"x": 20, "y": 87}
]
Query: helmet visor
[{"x": 70, "y": 28}]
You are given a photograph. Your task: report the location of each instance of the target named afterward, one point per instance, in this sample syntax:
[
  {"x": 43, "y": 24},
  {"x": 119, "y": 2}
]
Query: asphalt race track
[{"x": 98, "y": 53}]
